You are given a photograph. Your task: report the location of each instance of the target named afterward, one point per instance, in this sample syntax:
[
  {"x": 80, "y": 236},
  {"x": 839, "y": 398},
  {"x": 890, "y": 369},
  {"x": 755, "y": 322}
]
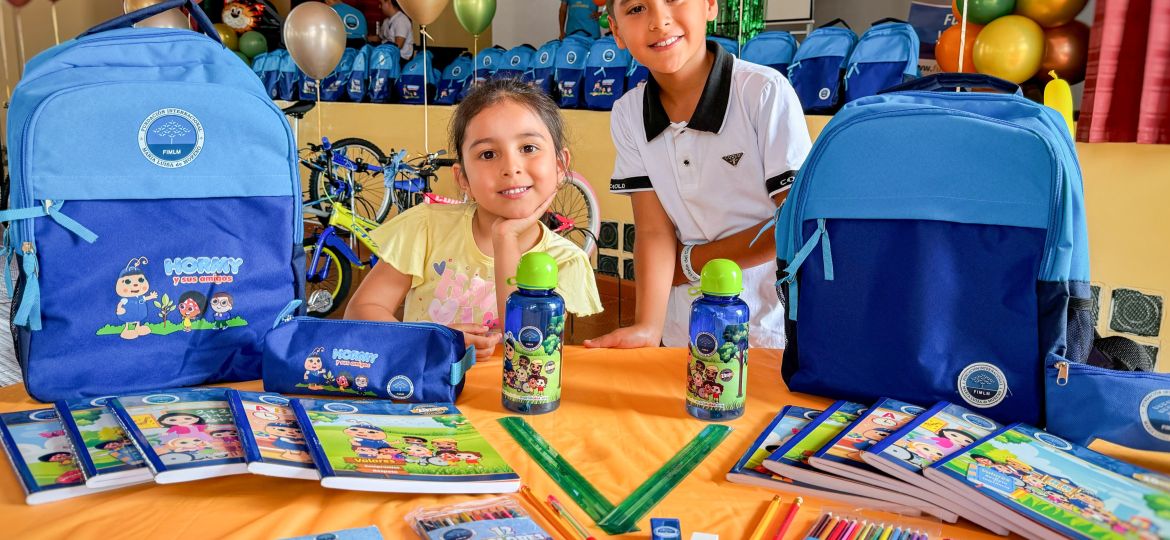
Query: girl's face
[
  {"x": 958, "y": 438},
  {"x": 189, "y": 308},
  {"x": 510, "y": 162},
  {"x": 181, "y": 420},
  {"x": 131, "y": 286}
]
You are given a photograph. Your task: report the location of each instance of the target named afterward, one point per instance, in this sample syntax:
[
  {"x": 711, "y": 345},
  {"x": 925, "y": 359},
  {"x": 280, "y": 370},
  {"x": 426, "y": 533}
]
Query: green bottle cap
[
  {"x": 721, "y": 277},
  {"x": 537, "y": 270}
]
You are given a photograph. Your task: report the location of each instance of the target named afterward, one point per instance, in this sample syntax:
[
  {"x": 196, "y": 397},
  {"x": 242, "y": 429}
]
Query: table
[{"x": 621, "y": 417}]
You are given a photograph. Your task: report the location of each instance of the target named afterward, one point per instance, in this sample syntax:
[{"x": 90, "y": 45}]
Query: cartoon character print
[
  {"x": 228, "y": 439},
  {"x": 286, "y": 437},
  {"x": 459, "y": 296},
  {"x": 191, "y": 306},
  {"x": 133, "y": 289},
  {"x": 366, "y": 435},
  {"x": 119, "y": 449},
  {"x": 221, "y": 309},
  {"x": 315, "y": 370},
  {"x": 194, "y": 448},
  {"x": 361, "y": 383},
  {"x": 182, "y": 423}
]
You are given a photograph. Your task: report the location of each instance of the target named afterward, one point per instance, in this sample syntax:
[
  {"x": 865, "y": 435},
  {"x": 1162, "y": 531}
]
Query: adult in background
[
  {"x": 396, "y": 28},
  {"x": 580, "y": 15}
]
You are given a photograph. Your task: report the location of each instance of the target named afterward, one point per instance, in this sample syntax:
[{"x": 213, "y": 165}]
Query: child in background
[
  {"x": 707, "y": 149},
  {"x": 450, "y": 263}
]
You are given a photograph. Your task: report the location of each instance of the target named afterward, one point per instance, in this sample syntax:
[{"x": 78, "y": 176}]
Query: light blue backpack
[
  {"x": 155, "y": 212},
  {"x": 570, "y": 69},
  {"x": 515, "y": 62},
  {"x": 454, "y": 80},
  {"x": 929, "y": 285},
  {"x": 487, "y": 62},
  {"x": 288, "y": 77},
  {"x": 819, "y": 64},
  {"x": 605, "y": 74},
  {"x": 334, "y": 87},
  {"x": 385, "y": 69},
  {"x": 885, "y": 56},
  {"x": 542, "y": 68},
  {"x": 359, "y": 75},
  {"x": 412, "y": 84},
  {"x": 774, "y": 48},
  {"x": 728, "y": 44},
  {"x": 636, "y": 74}
]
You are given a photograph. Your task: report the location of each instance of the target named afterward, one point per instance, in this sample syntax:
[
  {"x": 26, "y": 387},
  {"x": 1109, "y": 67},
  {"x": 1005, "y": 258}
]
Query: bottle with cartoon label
[
  {"x": 534, "y": 326},
  {"x": 717, "y": 368}
]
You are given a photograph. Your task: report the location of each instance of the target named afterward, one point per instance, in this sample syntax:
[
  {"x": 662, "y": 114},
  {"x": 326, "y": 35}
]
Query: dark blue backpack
[
  {"x": 903, "y": 282},
  {"x": 155, "y": 212},
  {"x": 515, "y": 62},
  {"x": 385, "y": 69},
  {"x": 453, "y": 80},
  {"x": 605, "y": 74},
  {"x": 359, "y": 75},
  {"x": 885, "y": 56},
  {"x": 411, "y": 84},
  {"x": 636, "y": 74},
  {"x": 728, "y": 44},
  {"x": 288, "y": 78},
  {"x": 774, "y": 49},
  {"x": 542, "y": 68},
  {"x": 817, "y": 68},
  {"x": 570, "y": 69},
  {"x": 260, "y": 67},
  {"x": 334, "y": 87}
]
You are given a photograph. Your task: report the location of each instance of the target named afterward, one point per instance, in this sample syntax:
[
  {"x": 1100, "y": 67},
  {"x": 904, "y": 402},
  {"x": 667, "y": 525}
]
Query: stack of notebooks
[
  {"x": 179, "y": 435},
  {"x": 950, "y": 462}
]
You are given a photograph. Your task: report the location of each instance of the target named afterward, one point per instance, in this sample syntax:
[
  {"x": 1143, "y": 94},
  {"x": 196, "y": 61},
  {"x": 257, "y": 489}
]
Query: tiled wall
[{"x": 615, "y": 256}]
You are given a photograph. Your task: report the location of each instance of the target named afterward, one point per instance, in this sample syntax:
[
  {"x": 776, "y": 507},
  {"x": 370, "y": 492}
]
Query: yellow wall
[{"x": 1127, "y": 190}]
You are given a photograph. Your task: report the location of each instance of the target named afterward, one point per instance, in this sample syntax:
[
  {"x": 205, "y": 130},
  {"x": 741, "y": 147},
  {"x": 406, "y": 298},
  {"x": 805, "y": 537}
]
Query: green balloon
[
  {"x": 985, "y": 11},
  {"x": 475, "y": 15},
  {"x": 253, "y": 43},
  {"x": 603, "y": 20},
  {"x": 244, "y": 57}
]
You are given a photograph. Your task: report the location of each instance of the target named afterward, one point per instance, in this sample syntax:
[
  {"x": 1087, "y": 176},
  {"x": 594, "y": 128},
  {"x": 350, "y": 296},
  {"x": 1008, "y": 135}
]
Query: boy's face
[{"x": 663, "y": 35}]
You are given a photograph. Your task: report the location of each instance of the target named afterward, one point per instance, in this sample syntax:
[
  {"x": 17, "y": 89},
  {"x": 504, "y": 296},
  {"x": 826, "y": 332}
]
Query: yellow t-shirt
[{"x": 452, "y": 281}]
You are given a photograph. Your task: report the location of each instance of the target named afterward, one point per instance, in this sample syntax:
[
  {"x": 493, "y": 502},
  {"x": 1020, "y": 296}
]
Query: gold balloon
[
  {"x": 1066, "y": 51},
  {"x": 135, "y": 5},
  {"x": 227, "y": 36},
  {"x": 423, "y": 12},
  {"x": 315, "y": 37},
  {"x": 1050, "y": 13},
  {"x": 1010, "y": 47},
  {"x": 171, "y": 18}
]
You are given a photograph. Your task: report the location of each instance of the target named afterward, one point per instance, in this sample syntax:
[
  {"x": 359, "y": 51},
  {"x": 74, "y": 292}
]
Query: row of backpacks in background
[{"x": 831, "y": 67}]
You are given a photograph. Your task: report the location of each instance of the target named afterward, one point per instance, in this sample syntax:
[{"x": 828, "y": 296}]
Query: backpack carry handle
[
  {"x": 887, "y": 20},
  {"x": 836, "y": 21},
  {"x": 948, "y": 81},
  {"x": 137, "y": 16}
]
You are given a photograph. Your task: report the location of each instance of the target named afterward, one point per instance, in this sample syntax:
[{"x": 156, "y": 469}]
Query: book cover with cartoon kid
[
  {"x": 184, "y": 433},
  {"x": 105, "y": 452},
  {"x": 274, "y": 443},
  {"x": 42, "y": 456},
  {"x": 410, "y": 448}
]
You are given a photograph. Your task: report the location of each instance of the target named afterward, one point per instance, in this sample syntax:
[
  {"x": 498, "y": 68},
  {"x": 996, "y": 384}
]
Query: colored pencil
[
  {"x": 572, "y": 521},
  {"x": 827, "y": 531},
  {"x": 835, "y": 534},
  {"x": 762, "y": 526},
  {"x": 812, "y": 531},
  {"x": 545, "y": 513},
  {"x": 788, "y": 519}
]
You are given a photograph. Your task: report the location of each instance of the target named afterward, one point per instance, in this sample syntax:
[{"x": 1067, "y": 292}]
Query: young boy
[{"x": 707, "y": 149}]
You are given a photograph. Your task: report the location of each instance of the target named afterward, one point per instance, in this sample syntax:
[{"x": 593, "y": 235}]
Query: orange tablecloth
[{"x": 621, "y": 418}]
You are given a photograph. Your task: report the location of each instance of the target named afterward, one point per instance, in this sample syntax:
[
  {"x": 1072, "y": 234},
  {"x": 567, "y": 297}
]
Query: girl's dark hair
[
  {"x": 491, "y": 92},
  {"x": 174, "y": 414}
]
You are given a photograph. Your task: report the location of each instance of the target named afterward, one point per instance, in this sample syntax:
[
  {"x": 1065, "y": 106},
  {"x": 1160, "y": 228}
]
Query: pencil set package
[
  {"x": 496, "y": 518},
  {"x": 855, "y": 524}
]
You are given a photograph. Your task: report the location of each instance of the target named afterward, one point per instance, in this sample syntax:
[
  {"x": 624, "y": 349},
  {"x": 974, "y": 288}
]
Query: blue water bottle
[
  {"x": 717, "y": 369},
  {"x": 534, "y": 327}
]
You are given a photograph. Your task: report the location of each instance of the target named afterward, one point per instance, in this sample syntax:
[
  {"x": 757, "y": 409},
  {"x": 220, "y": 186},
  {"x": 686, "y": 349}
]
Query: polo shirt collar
[{"x": 712, "y": 107}]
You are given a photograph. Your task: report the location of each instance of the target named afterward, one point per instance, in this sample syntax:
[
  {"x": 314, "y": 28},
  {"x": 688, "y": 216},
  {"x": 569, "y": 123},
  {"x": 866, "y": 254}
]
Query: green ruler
[{"x": 625, "y": 516}]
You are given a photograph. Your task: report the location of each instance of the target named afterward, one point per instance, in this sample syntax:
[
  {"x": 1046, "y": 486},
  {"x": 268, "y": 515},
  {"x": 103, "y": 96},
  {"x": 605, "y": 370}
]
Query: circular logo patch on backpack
[
  {"x": 400, "y": 387},
  {"x": 571, "y": 57},
  {"x": 824, "y": 93},
  {"x": 456, "y": 71},
  {"x": 982, "y": 385},
  {"x": 1155, "y": 413},
  {"x": 544, "y": 57},
  {"x": 609, "y": 55},
  {"x": 515, "y": 60},
  {"x": 170, "y": 138}
]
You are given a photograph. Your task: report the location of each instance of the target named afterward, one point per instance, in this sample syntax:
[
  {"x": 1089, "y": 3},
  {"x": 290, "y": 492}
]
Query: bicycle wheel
[
  {"x": 325, "y": 291},
  {"x": 369, "y": 197},
  {"x": 574, "y": 213}
]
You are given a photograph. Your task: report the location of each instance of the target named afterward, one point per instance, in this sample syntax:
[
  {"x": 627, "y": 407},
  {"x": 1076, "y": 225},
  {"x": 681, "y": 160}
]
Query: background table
[{"x": 621, "y": 417}]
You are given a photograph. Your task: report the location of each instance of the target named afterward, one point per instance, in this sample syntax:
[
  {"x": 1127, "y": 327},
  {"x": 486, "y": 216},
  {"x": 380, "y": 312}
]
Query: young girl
[{"x": 450, "y": 263}]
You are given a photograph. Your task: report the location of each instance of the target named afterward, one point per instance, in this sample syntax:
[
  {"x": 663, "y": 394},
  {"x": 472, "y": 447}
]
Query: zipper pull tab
[{"x": 1061, "y": 373}]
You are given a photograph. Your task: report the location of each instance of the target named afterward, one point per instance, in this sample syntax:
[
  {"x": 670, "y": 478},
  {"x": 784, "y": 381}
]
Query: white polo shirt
[{"x": 716, "y": 173}]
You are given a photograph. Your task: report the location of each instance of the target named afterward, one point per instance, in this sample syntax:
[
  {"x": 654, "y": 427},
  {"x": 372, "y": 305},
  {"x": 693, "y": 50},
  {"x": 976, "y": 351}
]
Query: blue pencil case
[
  {"x": 1086, "y": 402},
  {"x": 411, "y": 362}
]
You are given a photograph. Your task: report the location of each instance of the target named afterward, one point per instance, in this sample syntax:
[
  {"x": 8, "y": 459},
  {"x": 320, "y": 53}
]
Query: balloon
[
  {"x": 253, "y": 43},
  {"x": 985, "y": 11},
  {"x": 227, "y": 36},
  {"x": 1050, "y": 13},
  {"x": 315, "y": 37},
  {"x": 946, "y": 51},
  {"x": 1058, "y": 95},
  {"x": 423, "y": 12},
  {"x": 1011, "y": 48},
  {"x": 599, "y": 3},
  {"x": 126, "y": 5},
  {"x": 603, "y": 20},
  {"x": 171, "y": 18},
  {"x": 1066, "y": 51},
  {"x": 19, "y": 3},
  {"x": 475, "y": 15},
  {"x": 955, "y": 10},
  {"x": 244, "y": 57}
]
